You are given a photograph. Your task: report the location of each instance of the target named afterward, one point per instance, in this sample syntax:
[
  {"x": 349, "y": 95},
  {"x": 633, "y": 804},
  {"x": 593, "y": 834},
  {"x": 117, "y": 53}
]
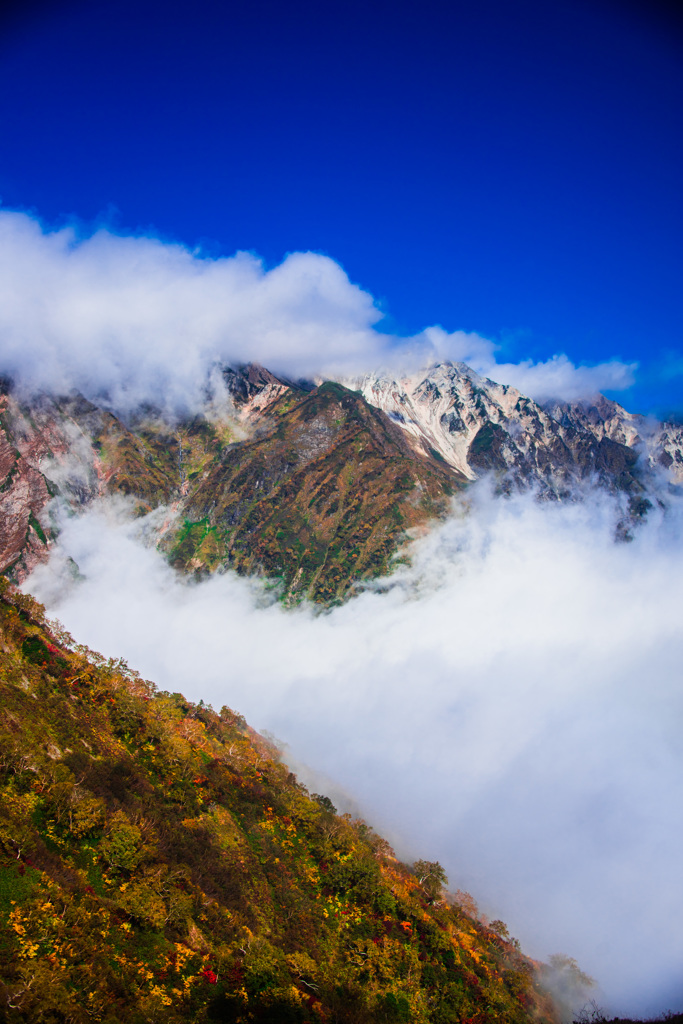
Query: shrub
[{"x": 122, "y": 845}]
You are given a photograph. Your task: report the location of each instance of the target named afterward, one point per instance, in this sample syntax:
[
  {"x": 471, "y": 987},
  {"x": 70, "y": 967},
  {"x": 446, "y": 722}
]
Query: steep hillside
[
  {"x": 159, "y": 863},
  {"x": 70, "y": 449},
  {"x": 323, "y": 499}
]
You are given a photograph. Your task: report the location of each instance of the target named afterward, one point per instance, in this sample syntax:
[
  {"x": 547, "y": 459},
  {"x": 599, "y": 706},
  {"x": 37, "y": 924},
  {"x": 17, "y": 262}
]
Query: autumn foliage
[{"x": 159, "y": 863}]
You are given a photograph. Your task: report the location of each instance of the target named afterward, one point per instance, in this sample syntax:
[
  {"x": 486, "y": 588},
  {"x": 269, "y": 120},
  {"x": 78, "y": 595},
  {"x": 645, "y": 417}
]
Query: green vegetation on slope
[
  {"x": 158, "y": 863},
  {"x": 152, "y": 462}
]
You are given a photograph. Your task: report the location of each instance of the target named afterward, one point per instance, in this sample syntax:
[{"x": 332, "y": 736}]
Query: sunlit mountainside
[{"x": 158, "y": 862}]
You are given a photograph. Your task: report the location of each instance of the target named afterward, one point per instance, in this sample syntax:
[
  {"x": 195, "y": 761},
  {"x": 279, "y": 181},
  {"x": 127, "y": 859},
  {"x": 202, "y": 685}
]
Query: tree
[{"x": 432, "y": 879}]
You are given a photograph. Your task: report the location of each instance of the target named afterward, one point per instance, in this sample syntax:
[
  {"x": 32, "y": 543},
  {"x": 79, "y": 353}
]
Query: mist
[
  {"x": 129, "y": 320},
  {"x": 510, "y": 704}
]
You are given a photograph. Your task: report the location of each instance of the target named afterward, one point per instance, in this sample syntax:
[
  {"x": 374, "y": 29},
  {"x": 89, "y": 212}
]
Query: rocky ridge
[{"x": 477, "y": 425}]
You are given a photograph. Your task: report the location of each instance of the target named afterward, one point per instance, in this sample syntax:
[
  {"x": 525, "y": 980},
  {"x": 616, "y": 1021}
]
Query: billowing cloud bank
[
  {"x": 135, "y": 319},
  {"x": 512, "y": 707}
]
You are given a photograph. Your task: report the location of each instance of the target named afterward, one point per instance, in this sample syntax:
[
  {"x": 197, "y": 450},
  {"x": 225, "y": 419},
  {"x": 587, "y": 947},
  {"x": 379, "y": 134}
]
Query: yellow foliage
[{"x": 122, "y": 845}]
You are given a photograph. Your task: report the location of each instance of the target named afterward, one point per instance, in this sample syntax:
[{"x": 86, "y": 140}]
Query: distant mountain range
[{"x": 317, "y": 484}]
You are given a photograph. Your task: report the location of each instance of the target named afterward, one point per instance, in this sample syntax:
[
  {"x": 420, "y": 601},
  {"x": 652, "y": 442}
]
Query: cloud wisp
[
  {"x": 556, "y": 377},
  {"x": 133, "y": 319},
  {"x": 511, "y": 706}
]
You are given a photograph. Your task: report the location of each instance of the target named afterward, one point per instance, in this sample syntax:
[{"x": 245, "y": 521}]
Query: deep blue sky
[{"x": 512, "y": 168}]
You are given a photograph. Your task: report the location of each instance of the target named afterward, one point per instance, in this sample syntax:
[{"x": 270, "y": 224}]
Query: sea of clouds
[{"x": 510, "y": 706}]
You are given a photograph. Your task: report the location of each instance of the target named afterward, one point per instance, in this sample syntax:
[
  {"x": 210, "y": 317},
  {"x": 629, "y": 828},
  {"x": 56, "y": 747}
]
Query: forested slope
[{"x": 158, "y": 862}]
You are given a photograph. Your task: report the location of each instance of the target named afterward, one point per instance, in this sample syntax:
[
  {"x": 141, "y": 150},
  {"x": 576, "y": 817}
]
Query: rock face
[
  {"x": 29, "y": 441},
  {"x": 316, "y": 485},
  {"x": 477, "y": 426},
  {"x": 254, "y": 389},
  {"x": 23, "y": 495}
]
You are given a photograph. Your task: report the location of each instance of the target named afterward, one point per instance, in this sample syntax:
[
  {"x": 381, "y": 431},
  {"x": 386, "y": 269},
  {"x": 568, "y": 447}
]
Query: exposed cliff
[{"x": 479, "y": 426}]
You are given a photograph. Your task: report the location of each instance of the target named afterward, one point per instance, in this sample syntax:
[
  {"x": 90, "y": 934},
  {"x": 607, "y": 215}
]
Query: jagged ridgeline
[
  {"x": 159, "y": 863},
  {"x": 315, "y": 486}
]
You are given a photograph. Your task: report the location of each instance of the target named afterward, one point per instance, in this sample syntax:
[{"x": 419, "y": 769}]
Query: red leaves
[
  {"x": 209, "y": 976},
  {"x": 234, "y": 975}
]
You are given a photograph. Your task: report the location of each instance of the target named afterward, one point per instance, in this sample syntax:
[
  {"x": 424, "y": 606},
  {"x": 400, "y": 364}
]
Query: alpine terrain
[{"x": 317, "y": 486}]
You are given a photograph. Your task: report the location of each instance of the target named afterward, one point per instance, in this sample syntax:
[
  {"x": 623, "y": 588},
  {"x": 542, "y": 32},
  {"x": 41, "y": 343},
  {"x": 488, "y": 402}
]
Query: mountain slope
[
  {"x": 70, "y": 449},
  {"x": 159, "y": 863},
  {"x": 317, "y": 486},
  {"x": 311, "y": 485},
  {"x": 321, "y": 500},
  {"x": 479, "y": 426}
]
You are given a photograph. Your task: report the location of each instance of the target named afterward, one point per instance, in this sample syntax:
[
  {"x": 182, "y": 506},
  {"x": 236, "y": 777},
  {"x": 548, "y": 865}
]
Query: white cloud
[
  {"x": 145, "y": 320},
  {"x": 138, "y": 319},
  {"x": 556, "y": 377},
  {"x": 511, "y": 707}
]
